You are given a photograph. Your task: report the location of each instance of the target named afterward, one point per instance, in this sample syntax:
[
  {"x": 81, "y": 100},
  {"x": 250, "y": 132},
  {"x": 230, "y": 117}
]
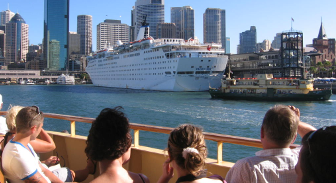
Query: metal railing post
[
  {"x": 136, "y": 138},
  {"x": 219, "y": 152},
  {"x": 72, "y": 128}
]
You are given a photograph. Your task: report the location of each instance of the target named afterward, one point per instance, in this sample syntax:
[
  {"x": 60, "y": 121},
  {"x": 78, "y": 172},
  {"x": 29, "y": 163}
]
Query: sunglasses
[
  {"x": 37, "y": 111},
  {"x": 310, "y": 137}
]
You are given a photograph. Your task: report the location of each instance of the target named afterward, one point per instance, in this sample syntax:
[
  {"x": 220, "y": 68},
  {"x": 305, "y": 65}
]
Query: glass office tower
[
  {"x": 56, "y": 28},
  {"x": 153, "y": 10},
  {"x": 184, "y": 18}
]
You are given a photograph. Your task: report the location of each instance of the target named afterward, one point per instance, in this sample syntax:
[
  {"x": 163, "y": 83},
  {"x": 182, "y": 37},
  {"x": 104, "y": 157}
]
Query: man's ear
[
  {"x": 33, "y": 129},
  {"x": 294, "y": 138},
  {"x": 262, "y": 134}
]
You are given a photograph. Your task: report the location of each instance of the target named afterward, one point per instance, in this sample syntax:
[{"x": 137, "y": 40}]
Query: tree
[
  {"x": 319, "y": 66},
  {"x": 313, "y": 70}
]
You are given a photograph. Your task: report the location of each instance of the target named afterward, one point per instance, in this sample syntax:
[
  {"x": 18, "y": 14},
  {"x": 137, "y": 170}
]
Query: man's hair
[
  {"x": 317, "y": 156},
  {"x": 109, "y": 136},
  {"x": 28, "y": 117},
  {"x": 280, "y": 124}
]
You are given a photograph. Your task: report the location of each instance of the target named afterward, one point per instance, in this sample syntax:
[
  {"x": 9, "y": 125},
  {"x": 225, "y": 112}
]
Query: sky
[{"x": 269, "y": 17}]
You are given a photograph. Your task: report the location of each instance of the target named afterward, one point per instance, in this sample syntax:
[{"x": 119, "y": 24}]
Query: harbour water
[{"x": 169, "y": 109}]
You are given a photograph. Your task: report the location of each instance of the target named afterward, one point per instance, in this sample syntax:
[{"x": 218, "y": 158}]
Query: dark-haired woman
[
  {"x": 187, "y": 153},
  {"x": 109, "y": 143}
]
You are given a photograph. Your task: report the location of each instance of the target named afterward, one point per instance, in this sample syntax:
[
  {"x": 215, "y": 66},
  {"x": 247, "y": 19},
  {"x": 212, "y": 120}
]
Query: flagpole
[{"x": 291, "y": 24}]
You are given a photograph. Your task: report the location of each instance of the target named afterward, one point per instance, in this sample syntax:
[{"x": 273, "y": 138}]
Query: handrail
[{"x": 219, "y": 138}]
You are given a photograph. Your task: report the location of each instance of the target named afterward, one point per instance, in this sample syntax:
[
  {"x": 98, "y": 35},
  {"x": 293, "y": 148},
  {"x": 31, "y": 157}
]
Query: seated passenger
[
  {"x": 43, "y": 145},
  {"x": 317, "y": 161},
  {"x": 19, "y": 160},
  {"x": 187, "y": 153},
  {"x": 3, "y": 126},
  {"x": 109, "y": 143},
  {"x": 276, "y": 162}
]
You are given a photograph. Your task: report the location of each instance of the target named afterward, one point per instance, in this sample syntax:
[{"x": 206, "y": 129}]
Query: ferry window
[
  {"x": 192, "y": 66},
  {"x": 201, "y": 60},
  {"x": 209, "y": 60}
]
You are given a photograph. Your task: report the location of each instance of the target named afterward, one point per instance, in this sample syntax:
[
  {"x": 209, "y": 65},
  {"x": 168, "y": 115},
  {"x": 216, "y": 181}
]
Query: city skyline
[{"x": 268, "y": 17}]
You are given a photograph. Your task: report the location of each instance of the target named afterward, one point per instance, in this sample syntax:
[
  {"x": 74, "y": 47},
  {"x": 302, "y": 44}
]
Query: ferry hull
[{"x": 318, "y": 95}]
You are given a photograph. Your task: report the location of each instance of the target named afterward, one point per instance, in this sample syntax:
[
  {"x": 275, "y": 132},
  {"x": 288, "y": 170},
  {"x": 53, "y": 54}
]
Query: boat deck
[{"x": 144, "y": 159}]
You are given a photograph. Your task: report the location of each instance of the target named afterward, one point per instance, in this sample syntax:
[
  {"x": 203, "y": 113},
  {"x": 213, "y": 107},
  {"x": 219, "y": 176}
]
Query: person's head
[
  {"x": 29, "y": 119},
  {"x": 10, "y": 117},
  {"x": 186, "y": 146},
  {"x": 109, "y": 137},
  {"x": 280, "y": 125},
  {"x": 317, "y": 160}
]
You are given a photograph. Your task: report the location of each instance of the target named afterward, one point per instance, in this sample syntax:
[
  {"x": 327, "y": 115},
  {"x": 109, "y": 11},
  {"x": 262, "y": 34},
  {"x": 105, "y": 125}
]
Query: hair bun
[{"x": 188, "y": 150}]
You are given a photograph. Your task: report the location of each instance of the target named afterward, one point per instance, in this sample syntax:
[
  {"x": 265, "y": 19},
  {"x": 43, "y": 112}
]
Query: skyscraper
[
  {"x": 183, "y": 17},
  {"x": 111, "y": 31},
  {"x": 56, "y": 28},
  {"x": 84, "y": 28},
  {"x": 166, "y": 30},
  {"x": 153, "y": 10},
  {"x": 248, "y": 41},
  {"x": 6, "y": 16},
  {"x": 214, "y": 26},
  {"x": 276, "y": 43},
  {"x": 16, "y": 40}
]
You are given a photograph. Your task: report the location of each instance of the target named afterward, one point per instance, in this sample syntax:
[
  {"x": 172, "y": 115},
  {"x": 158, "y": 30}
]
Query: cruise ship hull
[{"x": 176, "y": 74}]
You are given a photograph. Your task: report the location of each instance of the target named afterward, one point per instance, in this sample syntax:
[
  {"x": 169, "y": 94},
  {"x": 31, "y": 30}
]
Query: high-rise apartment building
[
  {"x": 227, "y": 46},
  {"x": 248, "y": 41},
  {"x": 74, "y": 43},
  {"x": 56, "y": 28},
  {"x": 2, "y": 43},
  {"x": 111, "y": 31},
  {"x": 6, "y": 16},
  {"x": 214, "y": 26},
  {"x": 276, "y": 43},
  {"x": 166, "y": 30},
  {"x": 152, "y": 10},
  {"x": 184, "y": 18},
  {"x": 264, "y": 46},
  {"x": 84, "y": 29},
  {"x": 16, "y": 40}
]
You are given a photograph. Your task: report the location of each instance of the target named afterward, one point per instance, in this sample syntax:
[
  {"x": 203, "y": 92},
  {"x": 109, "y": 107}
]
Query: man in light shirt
[
  {"x": 276, "y": 162},
  {"x": 20, "y": 163}
]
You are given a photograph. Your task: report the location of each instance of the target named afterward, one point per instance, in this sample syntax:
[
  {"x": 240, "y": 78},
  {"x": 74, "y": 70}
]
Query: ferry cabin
[{"x": 265, "y": 83}]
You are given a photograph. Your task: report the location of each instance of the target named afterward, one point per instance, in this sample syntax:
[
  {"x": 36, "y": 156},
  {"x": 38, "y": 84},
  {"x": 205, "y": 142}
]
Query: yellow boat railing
[{"x": 219, "y": 138}]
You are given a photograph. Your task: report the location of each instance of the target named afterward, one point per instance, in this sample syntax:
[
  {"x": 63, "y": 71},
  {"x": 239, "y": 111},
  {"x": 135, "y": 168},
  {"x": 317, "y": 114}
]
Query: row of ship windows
[
  {"x": 142, "y": 69},
  {"x": 160, "y": 73},
  {"x": 150, "y": 63},
  {"x": 157, "y": 57},
  {"x": 152, "y": 50}
]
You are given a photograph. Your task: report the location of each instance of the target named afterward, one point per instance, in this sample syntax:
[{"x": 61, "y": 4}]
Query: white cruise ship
[{"x": 162, "y": 64}]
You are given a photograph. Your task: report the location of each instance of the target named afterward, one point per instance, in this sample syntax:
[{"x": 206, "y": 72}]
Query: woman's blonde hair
[
  {"x": 187, "y": 147},
  {"x": 10, "y": 117}
]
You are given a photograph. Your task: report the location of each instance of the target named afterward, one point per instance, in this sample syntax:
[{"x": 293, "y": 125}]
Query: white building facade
[{"x": 111, "y": 31}]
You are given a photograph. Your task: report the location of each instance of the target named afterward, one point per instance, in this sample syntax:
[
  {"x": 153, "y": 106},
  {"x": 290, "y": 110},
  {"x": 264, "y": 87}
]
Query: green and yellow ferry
[{"x": 265, "y": 87}]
